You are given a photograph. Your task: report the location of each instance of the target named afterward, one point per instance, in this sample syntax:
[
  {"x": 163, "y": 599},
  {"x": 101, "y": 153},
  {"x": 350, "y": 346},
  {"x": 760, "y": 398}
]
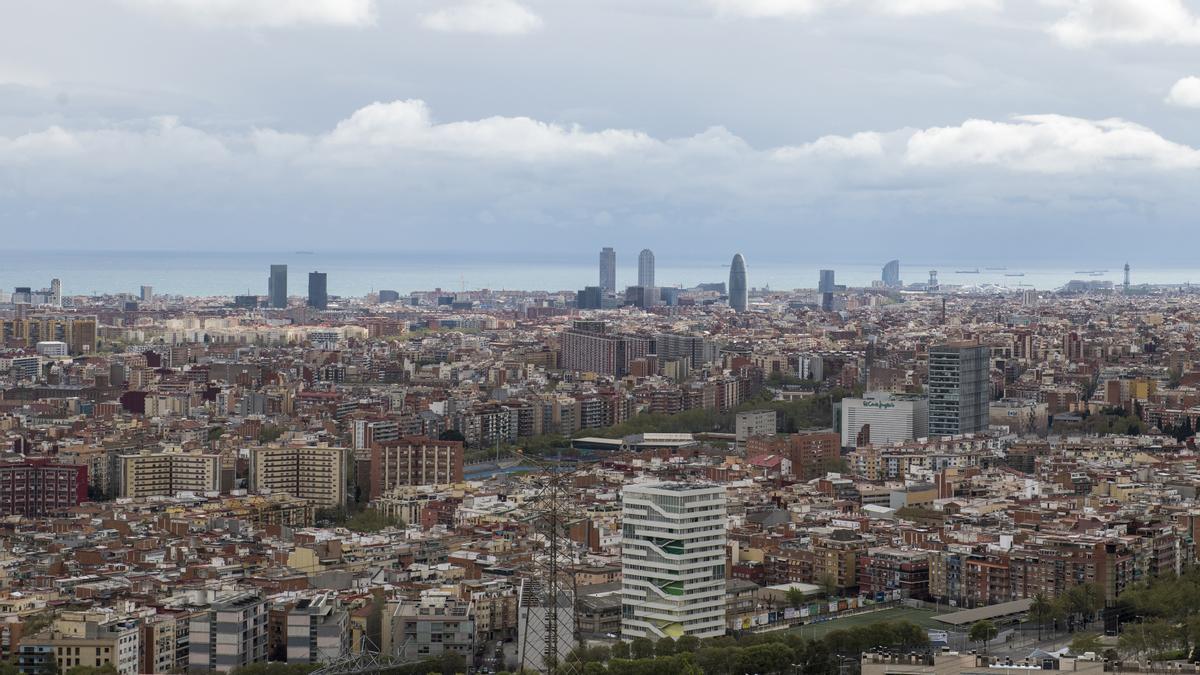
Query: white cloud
[
  {"x": 1185, "y": 93},
  {"x": 1127, "y": 22},
  {"x": 800, "y": 8},
  {"x": 404, "y": 131},
  {"x": 407, "y": 125},
  {"x": 862, "y": 145},
  {"x": 1049, "y": 144},
  {"x": 264, "y": 13},
  {"x": 914, "y": 7},
  {"x": 493, "y": 17}
]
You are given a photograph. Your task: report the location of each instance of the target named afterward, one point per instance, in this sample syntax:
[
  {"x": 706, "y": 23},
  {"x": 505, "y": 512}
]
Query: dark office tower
[
  {"x": 277, "y": 287},
  {"x": 825, "y": 288},
  {"x": 738, "y": 295},
  {"x": 825, "y": 285},
  {"x": 608, "y": 270},
  {"x": 389, "y": 296},
  {"x": 959, "y": 388},
  {"x": 646, "y": 268},
  {"x": 318, "y": 296},
  {"x": 891, "y": 274},
  {"x": 588, "y": 298}
]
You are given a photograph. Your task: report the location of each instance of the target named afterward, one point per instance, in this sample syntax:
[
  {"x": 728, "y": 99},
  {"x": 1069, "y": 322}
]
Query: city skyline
[{"x": 1010, "y": 136}]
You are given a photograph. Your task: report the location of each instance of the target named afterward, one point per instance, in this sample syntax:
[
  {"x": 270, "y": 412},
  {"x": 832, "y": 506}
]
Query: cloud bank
[{"x": 491, "y": 17}]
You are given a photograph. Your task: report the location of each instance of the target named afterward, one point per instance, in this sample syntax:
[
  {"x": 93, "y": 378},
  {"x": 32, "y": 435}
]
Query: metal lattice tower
[{"x": 549, "y": 607}]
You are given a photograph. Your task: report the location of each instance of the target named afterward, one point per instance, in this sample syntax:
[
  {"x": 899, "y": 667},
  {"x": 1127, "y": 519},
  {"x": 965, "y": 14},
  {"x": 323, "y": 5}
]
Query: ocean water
[{"x": 207, "y": 273}]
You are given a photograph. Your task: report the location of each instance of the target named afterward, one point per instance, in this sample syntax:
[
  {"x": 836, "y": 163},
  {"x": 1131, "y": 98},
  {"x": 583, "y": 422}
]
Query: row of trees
[{"x": 778, "y": 652}]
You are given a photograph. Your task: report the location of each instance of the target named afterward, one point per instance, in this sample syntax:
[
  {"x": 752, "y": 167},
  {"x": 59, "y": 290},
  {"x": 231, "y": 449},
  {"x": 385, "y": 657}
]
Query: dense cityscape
[{"x": 650, "y": 479}]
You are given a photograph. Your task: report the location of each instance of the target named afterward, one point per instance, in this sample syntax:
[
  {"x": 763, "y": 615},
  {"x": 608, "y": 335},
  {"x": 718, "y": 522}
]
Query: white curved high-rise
[
  {"x": 738, "y": 293},
  {"x": 672, "y": 560},
  {"x": 646, "y": 268}
]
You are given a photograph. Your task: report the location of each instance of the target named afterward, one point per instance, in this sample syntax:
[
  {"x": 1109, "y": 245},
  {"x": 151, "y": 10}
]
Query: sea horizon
[{"x": 357, "y": 273}]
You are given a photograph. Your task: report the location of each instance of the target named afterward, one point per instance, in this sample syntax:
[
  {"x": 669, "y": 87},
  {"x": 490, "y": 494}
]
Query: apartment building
[
  {"x": 429, "y": 627},
  {"x": 168, "y": 473},
  {"x": 230, "y": 632},
  {"x": 89, "y": 639},
  {"x": 39, "y": 486},
  {"x": 414, "y": 461},
  {"x": 316, "y": 474},
  {"x": 673, "y": 560},
  {"x": 317, "y": 630}
]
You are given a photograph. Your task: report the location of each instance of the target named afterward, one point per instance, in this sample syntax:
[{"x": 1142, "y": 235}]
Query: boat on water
[
  {"x": 974, "y": 271},
  {"x": 995, "y": 269},
  {"x": 1015, "y": 274}
]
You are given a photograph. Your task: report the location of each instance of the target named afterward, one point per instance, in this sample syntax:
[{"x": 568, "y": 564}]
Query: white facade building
[
  {"x": 892, "y": 418},
  {"x": 673, "y": 560},
  {"x": 754, "y": 423},
  {"x": 52, "y": 349}
]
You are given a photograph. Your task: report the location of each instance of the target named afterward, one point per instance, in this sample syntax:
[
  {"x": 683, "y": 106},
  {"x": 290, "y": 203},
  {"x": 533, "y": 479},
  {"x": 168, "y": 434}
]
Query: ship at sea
[
  {"x": 1015, "y": 274},
  {"x": 974, "y": 271},
  {"x": 995, "y": 269}
]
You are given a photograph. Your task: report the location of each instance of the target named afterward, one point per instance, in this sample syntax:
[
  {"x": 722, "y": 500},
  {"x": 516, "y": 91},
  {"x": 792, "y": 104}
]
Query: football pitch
[{"x": 921, "y": 617}]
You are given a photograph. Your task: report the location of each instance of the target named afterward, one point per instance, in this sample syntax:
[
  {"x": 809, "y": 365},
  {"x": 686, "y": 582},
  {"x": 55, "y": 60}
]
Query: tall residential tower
[
  {"x": 959, "y": 388},
  {"x": 673, "y": 560}
]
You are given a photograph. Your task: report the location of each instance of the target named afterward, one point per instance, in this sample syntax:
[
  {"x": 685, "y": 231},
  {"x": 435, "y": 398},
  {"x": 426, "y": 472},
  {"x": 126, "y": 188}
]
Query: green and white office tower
[{"x": 673, "y": 560}]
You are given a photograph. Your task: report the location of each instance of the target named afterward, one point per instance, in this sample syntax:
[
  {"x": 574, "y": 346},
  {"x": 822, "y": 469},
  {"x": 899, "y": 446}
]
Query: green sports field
[{"x": 921, "y": 617}]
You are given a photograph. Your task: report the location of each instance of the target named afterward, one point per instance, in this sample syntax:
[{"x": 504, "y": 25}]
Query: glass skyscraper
[
  {"x": 738, "y": 294},
  {"x": 959, "y": 388},
  {"x": 646, "y": 268},
  {"x": 277, "y": 287},
  {"x": 608, "y": 270}
]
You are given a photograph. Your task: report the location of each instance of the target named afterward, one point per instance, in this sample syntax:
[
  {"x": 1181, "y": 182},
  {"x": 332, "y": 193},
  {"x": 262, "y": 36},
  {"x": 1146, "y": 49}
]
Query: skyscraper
[
  {"x": 646, "y": 268},
  {"x": 825, "y": 286},
  {"x": 277, "y": 287},
  {"x": 891, "y": 274},
  {"x": 56, "y": 292},
  {"x": 318, "y": 296},
  {"x": 738, "y": 296},
  {"x": 673, "y": 560},
  {"x": 959, "y": 388},
  {"x": 608, "y": 270},
  {"x": 147, "y": 293}
]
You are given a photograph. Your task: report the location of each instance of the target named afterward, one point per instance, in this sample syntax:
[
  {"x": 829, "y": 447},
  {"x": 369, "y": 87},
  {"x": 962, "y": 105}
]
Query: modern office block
[{"x": 318, "y": 293}]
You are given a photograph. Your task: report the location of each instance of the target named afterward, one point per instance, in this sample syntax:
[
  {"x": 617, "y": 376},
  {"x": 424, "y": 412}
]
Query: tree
[
  {"x": 664, "y": 647},
  {"x": 687, "y": 644},
  {"x": 1086, "y": 642},
  {"x": 983, "y": 631},
  {"x": 641, "y": 648},
  {"x": 620, "y": 650},
  {"x": 1041, "y": 611},
  {"x": 452, "y": 435},
  {"x": 795, "y": 597}
]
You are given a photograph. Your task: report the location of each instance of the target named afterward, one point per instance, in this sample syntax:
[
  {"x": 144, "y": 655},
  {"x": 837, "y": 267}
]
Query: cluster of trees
[
  {"x": 367, "y": 520},
  {"x": 1165, "y": 617},
  {"x": 1077, "y": 607},
  {"x": 815, "y": 411},
  {"x": 445, "y": 664},
  {"x": 779, "y": 652}
]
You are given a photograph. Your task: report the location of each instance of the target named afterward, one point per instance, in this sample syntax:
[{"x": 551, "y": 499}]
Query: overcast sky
[{"x": 848, "y": 129}]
